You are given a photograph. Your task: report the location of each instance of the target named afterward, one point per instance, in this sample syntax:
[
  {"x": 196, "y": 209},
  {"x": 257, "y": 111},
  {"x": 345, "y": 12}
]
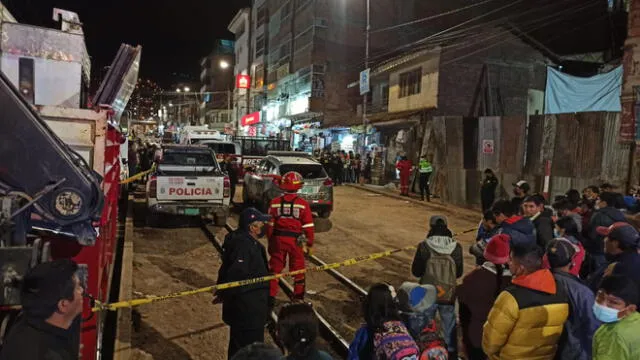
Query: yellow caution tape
[
  {"x": 234, "y": 284},
  {"x": 138, "y": 176}
]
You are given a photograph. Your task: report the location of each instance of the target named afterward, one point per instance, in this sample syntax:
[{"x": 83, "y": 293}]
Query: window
[
  {"x": 261, "y": 17},
  {"x": 308, "y": 171},
  {"x": 410, "y": 83},
  {"x": 187, "y": 159},
  {"x": 384, "y": 95},
  {"x": 26, "y": 76},
  {"x": 260, "y": 44}
]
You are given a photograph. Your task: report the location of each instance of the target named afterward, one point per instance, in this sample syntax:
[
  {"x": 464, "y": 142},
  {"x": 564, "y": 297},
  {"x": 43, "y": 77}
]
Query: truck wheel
[
  {"x": 325, "y": 214},
  {"x": 220, "y": 221},
  {"x": 152, "y": 219}
]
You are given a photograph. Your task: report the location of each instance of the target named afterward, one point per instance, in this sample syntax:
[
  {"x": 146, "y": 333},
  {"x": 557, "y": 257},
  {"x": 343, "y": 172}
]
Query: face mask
[
  {"x": 605, "y": 314},
  {"x": 263, "y": 232},
  {"x": 556, "y": 233},
  {"x": 597, "y": 207}
]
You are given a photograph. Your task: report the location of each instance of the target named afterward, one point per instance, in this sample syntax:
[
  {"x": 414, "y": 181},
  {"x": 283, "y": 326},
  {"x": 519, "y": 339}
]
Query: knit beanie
[
  {"x": 497, "y": 250},
  {"x": 420, "y": 297}
]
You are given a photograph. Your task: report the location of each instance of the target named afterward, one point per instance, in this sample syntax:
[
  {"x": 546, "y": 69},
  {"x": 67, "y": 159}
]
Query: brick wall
[{"x": 513, "y": 66}]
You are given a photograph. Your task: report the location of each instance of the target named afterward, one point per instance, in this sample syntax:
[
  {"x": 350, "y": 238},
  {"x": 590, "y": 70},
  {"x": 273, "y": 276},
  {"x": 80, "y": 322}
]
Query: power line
[
  {"x": 448, "y": 35},
  {"x": 417, "y": 21}
]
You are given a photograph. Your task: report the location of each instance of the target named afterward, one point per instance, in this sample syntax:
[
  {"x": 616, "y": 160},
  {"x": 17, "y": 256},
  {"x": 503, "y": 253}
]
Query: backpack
[
  {"x": 394, "y": 343},
  {"x": 441, "y": 273},
  {"x": 431, "y": 343}
]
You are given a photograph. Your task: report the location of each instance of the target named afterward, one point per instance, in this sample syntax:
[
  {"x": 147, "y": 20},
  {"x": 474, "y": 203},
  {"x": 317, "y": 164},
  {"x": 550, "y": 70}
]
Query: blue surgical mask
[
  {"x": 556, "y": 233},
  {"x": 605, "y": 314}
]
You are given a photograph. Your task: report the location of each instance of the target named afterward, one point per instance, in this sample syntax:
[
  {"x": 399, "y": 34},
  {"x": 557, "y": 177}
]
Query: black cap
[
  {"x": 250, "y": 215},
  {"x": 560, "y": 252}
]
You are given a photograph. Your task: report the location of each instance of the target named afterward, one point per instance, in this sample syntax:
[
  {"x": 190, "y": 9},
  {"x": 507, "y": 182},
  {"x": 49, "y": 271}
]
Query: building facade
[{"x": 217, "y": 85}]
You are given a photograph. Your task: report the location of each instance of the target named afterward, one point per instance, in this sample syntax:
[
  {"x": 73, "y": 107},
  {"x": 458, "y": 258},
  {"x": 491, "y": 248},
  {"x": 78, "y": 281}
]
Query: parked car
[
  {"x": 261, "y": 186},
  {"x": 188, "y": 181}
]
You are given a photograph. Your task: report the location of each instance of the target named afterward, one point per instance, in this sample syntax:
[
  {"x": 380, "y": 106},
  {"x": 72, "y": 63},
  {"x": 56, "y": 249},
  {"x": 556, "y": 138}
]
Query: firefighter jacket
[
  {"x": 527, "y": 319},
  {"x": 291, "y": 217}
]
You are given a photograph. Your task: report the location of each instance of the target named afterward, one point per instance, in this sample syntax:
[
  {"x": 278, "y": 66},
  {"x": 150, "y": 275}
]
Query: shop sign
[
  {"x": 243, "y": 81},
  {"x": 251, "y": 119},
  {"x": 253, "y": 131}
]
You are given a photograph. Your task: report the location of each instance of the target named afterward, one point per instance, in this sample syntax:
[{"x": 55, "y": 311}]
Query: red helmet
[{"x": 291, "y": 182}]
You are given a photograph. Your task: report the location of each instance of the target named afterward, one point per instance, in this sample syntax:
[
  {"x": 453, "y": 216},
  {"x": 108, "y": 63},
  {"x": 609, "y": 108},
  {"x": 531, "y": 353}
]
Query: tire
[
  {"x": 325, "y": 214},
  {"x": 152, "y": 219}
]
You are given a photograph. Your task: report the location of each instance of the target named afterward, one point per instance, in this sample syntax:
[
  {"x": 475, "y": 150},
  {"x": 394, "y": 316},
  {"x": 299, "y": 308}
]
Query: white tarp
[{"x": 571, "y": 94}]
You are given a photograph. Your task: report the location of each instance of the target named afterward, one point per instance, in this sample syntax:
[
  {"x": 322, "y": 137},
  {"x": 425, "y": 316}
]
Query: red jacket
[
  {"x": 404, "y": 166},
  {"x": 290, "y": 214}
]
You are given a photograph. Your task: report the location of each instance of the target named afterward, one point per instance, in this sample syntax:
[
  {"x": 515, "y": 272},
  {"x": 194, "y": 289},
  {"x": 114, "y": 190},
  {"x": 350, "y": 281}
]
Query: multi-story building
[{"x": 217, "y": 87}]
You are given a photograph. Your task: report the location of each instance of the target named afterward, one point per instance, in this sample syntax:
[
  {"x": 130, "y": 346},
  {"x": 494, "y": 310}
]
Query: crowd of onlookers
[{"x": 346, "y": 167}]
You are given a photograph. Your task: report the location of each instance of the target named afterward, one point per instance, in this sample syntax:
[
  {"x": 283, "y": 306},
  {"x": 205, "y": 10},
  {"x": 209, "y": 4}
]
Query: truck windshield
[
  {"x": 188, "y": 159},
  {"x": 222, "y": 148},
  {"x": 308, "y": 171}
]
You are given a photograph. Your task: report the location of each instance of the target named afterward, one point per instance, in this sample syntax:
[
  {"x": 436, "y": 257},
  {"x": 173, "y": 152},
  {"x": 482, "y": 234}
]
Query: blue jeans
[
  {"x": 448, "y": 318},
  {"x": 419, "y": 320}
]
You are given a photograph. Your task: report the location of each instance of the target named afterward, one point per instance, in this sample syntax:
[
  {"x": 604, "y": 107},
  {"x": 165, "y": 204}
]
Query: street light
[
  {"x": 224, "y": 64},
  {"x": 187, "y": 89},
  {"x": 178, "y": 90}
]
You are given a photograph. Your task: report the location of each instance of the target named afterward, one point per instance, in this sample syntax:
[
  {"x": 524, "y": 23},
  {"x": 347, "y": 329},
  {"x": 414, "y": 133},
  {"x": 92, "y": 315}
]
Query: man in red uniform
[
  {"x": 404, "y": 166},
  {"x": 290, "y": 230}
]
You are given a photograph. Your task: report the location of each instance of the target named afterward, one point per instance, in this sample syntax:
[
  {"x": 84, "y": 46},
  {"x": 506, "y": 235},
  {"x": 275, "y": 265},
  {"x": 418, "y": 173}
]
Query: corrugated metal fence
[{"x": 583, "y": 149}]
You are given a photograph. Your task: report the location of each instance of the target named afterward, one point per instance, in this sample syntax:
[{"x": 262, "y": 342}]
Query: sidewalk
[{"x": 415, "y": 199}]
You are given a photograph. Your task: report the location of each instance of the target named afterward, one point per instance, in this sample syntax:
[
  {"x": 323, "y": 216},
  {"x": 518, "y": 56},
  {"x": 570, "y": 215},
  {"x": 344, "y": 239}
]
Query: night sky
[{"x": 174, "y": 34}]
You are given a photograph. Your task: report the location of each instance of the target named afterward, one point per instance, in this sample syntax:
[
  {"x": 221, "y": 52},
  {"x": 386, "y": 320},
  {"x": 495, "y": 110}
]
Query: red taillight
[
  {"x": 227, "y": 187},
  {"x": 328, "y": 182},
  {"x": 153, "y": 187}
]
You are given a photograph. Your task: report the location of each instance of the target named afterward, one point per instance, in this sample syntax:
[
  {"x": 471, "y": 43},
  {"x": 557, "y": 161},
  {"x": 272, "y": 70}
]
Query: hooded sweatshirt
[
  {"x": 445, "y": 245},
  {"x": 520, "y": 229},
  {"x": 527, "y": 319}
]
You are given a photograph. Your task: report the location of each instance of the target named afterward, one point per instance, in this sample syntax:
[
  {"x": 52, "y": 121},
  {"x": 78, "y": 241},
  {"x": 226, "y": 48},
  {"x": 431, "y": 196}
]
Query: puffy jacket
[
  {"x": 520, "y": 229},
  {"x": 543, "y": 224},
  {"x": 577, "y": 340},
  {"x": 602, "y": 217},
  {"x": 527, "y": 319}
]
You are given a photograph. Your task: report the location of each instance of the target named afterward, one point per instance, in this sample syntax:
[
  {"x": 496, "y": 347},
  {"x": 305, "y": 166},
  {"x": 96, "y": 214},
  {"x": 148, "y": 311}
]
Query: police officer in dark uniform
[{"x": 245, "y": 309}]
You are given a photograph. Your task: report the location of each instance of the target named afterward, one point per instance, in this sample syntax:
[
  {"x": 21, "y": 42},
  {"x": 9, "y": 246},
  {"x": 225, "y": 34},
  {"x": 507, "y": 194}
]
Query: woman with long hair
[{"x": 298, "y": 329}]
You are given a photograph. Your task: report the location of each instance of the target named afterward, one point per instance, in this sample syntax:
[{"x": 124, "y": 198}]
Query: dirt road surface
[{"x": 176, "y": 258}]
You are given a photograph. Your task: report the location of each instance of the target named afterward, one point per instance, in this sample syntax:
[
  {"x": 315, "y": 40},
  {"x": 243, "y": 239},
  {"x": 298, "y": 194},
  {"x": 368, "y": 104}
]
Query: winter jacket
[
  {"x": 544, "y": 228},
  {"x": 527, "y": 319},
  {"x": 578, "y": 259},
  {"x": 442, "y": 245},
  {"x": 602, "y": 217},
  {"x": 520, "y": 229},
  {"x": 35, "y": 339},
  {"x": 476, "y": 295},
  {"x": 243, "y": 258},
  {"x": 618, "y": 340},
  {"x": 577, "y": 340}
]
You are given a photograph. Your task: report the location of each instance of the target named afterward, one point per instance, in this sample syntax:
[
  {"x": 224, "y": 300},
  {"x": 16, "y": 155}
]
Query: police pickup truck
[{"x": 188, "y": 181}]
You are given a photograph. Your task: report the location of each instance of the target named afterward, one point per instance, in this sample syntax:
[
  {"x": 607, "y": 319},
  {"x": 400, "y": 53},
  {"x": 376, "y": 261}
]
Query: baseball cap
[
  {"x": 522, "y": 184},
  {"x": 620, "y": 231},
  {"x": 434, "y": 219},
  {"x": 250, "y": 215},
  {"x": 560, "y": 252}
]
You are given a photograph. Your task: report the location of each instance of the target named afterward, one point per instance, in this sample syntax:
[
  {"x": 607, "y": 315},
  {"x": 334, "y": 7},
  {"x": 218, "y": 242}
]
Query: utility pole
[
  {"x": 250, "y": 58},
  {"x": 366, "y": 66}
]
